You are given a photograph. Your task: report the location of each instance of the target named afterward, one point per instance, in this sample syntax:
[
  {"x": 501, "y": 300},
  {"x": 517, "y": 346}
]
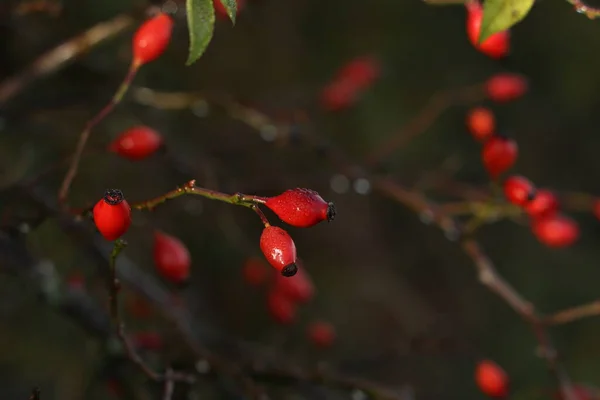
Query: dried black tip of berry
[
  {"x": 531, "y": 195},
  {"x": 113, "y": 196},
  {"x": 289, "y": 270},
  {"x": 330, "y": 212}
]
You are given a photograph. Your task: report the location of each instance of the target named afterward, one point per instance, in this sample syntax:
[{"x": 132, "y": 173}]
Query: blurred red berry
[
  {"x": 298, "y": 288},
  {"x": 596, "y": 208},
  {"x": 556, "y": 230},
  {"x": 76, "y": 281},
  {"x": 360, "y": 73},
  {"x": 481, "y": 122},
  {"x": 281, "y": 308},
  {"x": 148, "y": 340},
  {"x": 171, "y": 257},
  {"x": 255, "y": 271},
  {"x": 220, "y": 10},
  {"x": 498, "y": 155},
  {"x": 302, "y": 208},
  {"x": 338, "y": 96},
  {"x": 152, "y": 38},
  {"x": 321, "y": 333},
  {"x": 497, "y": 45},
  {"x": 279, "y": 250},
  {"x": 491, "y": 379},
  {"x": 518, "y": 190},
  {"x": 112, "y": 215},
  {"x": 136, "y": 143},
  {"x": 543, "y": 204},
  {"x": 506, "y": 87}
]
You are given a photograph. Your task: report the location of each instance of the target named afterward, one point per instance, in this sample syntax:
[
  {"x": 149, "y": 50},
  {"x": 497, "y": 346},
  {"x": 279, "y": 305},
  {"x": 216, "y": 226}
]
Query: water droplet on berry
[
  {"x": 200, "y": 108},
  {"x": 340, "y": 183},
  {"x": 269, "y": 133},
  {"x": 362, "y": 186}
]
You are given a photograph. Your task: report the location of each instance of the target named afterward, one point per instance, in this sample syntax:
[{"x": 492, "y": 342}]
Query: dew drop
[
  {"x": 340, "y": 183},
  {"x": 362, "y": 186}
]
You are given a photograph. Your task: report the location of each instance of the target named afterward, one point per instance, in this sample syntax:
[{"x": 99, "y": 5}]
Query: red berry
[
  {"x": 556, "y": 230},
  {"x": 481, "y": 122},
  {"x": 543, "y": 204},
  {"x": 171, "y": 257},
  {"x": 321, "y": 333},
  {"x": 281, "y": 308},
  {"x": 596, "y": 208},
  {"x": 498, "y": 155},
  {"x": 152, "y": 38},
  {"x": 279, "y": 249},
  {"x": 112, "y": 215},
  {"x": 338, "y": 96},
  {"x": 491, "y": 379},
  {"x": 136, "y": 143},
  {"x": 506, "y": 87},
  {"x": 360, "y": 73},
  {"x": 255, "y": 271},
  {"x": 301, "y": 207},
  {"x": 76, "y": 281},
  {"x": 519, "y": 190},
  {"x": 148, "y": 340},
  {"x": 497, "y": 45},
  {"x": 298, "y": 288},
  {"x": 220, "y": 10}
]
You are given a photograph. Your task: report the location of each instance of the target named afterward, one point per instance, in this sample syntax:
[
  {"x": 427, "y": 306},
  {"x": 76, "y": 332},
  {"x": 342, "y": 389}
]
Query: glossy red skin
[
  {"x": 171, "y": 257},
  {"x": 255, "y": 271},
  {"x": 491, "y": 379},
  {"x": 496, "y": 46},
  {"x": 298, "y": 207},
  {"x": 481, "y": 123},
  {"x": 137, "y": 143},
  {"x": 360, "y": 73},
  {"x": 281, "y": 308},
  {"x": 506, "y": 87},
  {"x": 278, "y": 247},
  {"x": 543, "y": 204},
  {"x": 518, "y": 190},
  {"x": 338, "y": 96},
  {"x": 221, "y": 12},
  {"x": 152, "y": 38},
  {"x": 298, "y": 288},
  {"x": 321, "y": 333},
  {"x": 556, "y": 231},
  {"x": 112, "y": 220},
  {"x": 499, "y": 155}
]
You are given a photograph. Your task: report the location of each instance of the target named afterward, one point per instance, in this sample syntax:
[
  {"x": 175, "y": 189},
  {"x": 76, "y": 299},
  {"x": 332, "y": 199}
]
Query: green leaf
[
  {"x": 201, "y": 24},
  {"x": 499, "y": 15},
  {"x": 231, "y": 7}
]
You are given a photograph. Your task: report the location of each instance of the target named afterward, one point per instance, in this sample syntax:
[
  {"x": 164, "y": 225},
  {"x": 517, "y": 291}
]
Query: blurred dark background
[{"x": 405, "y": 301}]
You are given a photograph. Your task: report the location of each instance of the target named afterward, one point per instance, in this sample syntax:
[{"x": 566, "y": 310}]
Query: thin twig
[{"x": 574, "y": 314}]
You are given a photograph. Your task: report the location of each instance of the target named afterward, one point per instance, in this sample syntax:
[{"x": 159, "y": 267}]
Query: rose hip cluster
[
  {"x": 496, "y": 46},
  {"x": 499, "y": 155}
]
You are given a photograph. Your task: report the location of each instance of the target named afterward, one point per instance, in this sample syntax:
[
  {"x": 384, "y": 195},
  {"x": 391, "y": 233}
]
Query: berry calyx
[
  {"x": 543, "y": 204},
  {"x": 298, "y": 288},
  {"x": 505, "y": 87},
  {"x": 302, "y": 208},
  {"x": 321, "y": 333},
  {"x": 519, "y": 190},
  {"x": 498, "y": 155},
  {"x": 171, "y": 257},
  {"x": 491, "y": 379},
  {"x": 555, "y": 230},
  {"x": 481, "y": 123},
  {"x": 220, "y": 10},
  {"x": 255, "y": 272},
  {"x": 497, "y": 45},
  {"x": 281, "y": 308},
  {"x": 112, "y": 215},
  {"x": 136, "y": 143},
  {"x": 151, "y": 39},
  {"x": 279, "y": 250}
]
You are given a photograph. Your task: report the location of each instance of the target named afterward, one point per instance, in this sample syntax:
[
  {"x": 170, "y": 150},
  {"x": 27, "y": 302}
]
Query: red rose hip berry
[
  {"x": 151, "y": 39},
  {"x": 519, "y": 190},
  {"x": 596, "y": 208},
  {"x": 301, "y": 207},
  {"x": 137, "y": 143},
  {"x": 491, "y": 379},
  {"x": 481, "y": 122},
  {"x": 360, "y": 73},
  {"x": 171, "y": 257},
  {"x": 543, "y": 204},
  {"x": 321, "y": 333},
  {"x": 498, "y": 155},
  {"x": 112, "y": 215},
  {"x": 255, "y": 271},
  {"x": 279, "y": 249},
  {"x": 298, "y": 288},
  {"x": 555, "y": 230},
  {"x": 506, "y": 87},
  {"x": 497, "y": 45},
  {"x": 281, "y": 308}
]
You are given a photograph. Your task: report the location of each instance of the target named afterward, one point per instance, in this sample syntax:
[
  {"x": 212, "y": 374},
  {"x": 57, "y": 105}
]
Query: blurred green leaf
[
  {"x": 201, "y": 24},
  {"x": 499, "y": 15},
  {"x": 231, "y": 7},
  {"x": 444, "y": 2}
]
